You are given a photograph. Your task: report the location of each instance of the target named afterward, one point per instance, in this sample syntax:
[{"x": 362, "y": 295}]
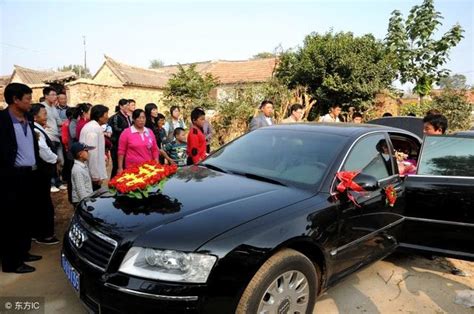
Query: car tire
[{"x": 286, "y": 281}]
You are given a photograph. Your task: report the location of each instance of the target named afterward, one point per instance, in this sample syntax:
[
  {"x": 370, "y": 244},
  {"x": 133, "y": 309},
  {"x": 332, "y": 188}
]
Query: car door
[
  {"x": 440, "y": 199},
  {"x": 366, "y": 229}
]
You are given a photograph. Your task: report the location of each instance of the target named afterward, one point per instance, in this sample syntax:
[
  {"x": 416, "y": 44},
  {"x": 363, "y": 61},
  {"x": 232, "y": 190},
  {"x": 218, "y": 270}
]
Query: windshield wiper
[
  {"x": 259, "y": 178},
  {"x": 211, "y": 166}
]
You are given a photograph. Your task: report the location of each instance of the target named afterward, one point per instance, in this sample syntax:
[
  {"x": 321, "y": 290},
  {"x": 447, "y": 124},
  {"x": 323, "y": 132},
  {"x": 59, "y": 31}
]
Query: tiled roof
[
  {"x": 130, "y": 75},
  {"x": 227, "y": 72},
  {"x": 233, "y": 72},
  {"x": 29, "y": 76}
]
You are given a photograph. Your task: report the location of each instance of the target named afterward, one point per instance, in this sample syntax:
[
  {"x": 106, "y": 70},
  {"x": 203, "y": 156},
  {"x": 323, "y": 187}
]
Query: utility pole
[{"x": 85, "y": 53}]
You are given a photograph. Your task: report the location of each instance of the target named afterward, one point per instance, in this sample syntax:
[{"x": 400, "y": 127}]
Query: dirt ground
[{"x": 398, "y": 284}]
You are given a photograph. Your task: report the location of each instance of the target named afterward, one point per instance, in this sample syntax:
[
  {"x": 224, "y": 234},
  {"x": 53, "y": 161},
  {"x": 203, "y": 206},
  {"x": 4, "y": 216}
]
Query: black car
[{"x": 260, "y": 226}]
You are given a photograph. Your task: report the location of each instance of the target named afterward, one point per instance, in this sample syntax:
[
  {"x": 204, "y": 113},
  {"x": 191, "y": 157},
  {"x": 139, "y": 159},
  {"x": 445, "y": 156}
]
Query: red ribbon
[{"x": 347, "y": 184}]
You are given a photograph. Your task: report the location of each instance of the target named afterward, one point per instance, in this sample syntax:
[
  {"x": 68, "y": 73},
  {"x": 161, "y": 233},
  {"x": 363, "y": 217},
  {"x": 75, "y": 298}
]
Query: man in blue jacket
[{"x": 19, "y": 154}]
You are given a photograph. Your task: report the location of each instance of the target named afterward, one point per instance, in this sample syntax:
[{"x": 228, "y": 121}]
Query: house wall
[
  {"x": 79, "y": 92},
  {"x": 105, "y": 76}
]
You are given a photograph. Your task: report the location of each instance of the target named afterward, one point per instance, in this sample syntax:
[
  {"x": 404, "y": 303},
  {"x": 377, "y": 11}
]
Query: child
[
  {"x": 177, "y": 149},
  {"x": 80, "y": 177},
  {"x": 196, "y": 138}
]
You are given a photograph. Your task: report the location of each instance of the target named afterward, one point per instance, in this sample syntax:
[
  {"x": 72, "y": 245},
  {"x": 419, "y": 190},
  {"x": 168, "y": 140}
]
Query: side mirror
[{"x": 367, "y": 182}]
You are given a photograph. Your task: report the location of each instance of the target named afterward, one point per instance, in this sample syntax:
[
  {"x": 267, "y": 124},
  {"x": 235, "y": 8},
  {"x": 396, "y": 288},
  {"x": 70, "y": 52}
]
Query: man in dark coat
[
  {"x": 264, "y": 118},
  {"x": 18, "y": 156}
]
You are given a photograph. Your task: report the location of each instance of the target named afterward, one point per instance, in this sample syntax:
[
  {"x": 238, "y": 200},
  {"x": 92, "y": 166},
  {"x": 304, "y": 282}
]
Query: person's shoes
[
  {"x": 22, "y": 269},
  {"x": 54, "y": 189},
  {"x": 48, "y": 241},
  {"x": 63, "y": 187},
  {"x": 32, "y": 258}
]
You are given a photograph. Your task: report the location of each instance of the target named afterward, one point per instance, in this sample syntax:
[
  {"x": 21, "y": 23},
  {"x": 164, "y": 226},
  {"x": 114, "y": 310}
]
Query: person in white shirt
[
  {"x": 92, "y": 134},
  {"x": 174, "y": 122},
  {"x": 43, "y": 229},
  {"x": 53, "y": 128},
  {"x": 80, "y": 176},
  {"x": 333, "y": 115}
]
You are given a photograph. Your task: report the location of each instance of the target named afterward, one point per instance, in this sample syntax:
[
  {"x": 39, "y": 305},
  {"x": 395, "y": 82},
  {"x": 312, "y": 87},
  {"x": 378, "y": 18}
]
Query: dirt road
[{"x": 398, "y": 284}]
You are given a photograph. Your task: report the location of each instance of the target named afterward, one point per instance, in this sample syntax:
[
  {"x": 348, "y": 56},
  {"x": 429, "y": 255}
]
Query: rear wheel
[{"x": 286, "y": 283}]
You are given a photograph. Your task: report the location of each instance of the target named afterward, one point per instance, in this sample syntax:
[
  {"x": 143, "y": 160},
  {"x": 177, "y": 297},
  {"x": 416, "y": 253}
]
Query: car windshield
[
  {"x": 285, "y": 157},
  {"x": 447, "y": 156}
]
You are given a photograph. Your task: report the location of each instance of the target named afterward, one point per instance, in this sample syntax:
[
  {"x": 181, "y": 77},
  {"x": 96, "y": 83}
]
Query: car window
[
  {"x": 447, "y": 156},
  {"x": 371, "y": 156},
  {"x": 289, "y": 156}
]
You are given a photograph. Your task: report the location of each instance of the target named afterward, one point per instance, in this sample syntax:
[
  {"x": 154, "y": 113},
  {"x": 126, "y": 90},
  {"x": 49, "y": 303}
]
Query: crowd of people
[{"x": 52, "y": 146}]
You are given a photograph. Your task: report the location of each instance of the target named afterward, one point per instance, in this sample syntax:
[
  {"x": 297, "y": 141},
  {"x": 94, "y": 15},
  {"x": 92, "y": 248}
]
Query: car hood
[{"x": 195, "y": 205}]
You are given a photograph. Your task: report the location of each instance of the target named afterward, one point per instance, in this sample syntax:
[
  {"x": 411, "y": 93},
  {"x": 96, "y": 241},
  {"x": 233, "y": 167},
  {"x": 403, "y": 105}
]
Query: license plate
[{"x": 72, "y": 275}]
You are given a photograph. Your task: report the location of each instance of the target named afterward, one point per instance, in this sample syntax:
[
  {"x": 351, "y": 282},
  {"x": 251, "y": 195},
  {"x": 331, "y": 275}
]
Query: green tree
[
  {"x": 338, "y": 69},
  {"x": 456, "y": 81},
  {"x": 263, "y": 55},
  {"x": 156, "y": 64},
  {"x": 454, "y": 105},
  {"x": 77, "y": 69},
  {"x": 189, "y": 89},
  {"x": 417, "y": 55}
]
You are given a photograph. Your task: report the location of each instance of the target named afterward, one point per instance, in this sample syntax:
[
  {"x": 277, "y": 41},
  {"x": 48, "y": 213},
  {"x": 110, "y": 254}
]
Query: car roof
[
  {"x": 465, "y": 133},
  {"x": 342, "y": 129}
]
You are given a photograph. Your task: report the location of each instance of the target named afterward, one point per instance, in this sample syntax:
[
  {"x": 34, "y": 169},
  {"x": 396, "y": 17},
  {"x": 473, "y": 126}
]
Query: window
[
  {"x": 371, "y": 156},
  {"x": 292, "y": 157},
  {"x": 447, "y": 156}
]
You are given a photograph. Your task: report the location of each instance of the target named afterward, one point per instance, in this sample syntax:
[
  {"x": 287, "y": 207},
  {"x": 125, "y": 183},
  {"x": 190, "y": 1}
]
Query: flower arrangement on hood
[{"x": 140, "y": 180}]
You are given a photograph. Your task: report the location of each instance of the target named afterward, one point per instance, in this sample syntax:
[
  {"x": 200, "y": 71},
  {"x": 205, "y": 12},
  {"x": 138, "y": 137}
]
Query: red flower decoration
[
  {"x": 391, "y": 195},
  {"x": 347, "y": 184},
  {"x": 138, "y": 180}
]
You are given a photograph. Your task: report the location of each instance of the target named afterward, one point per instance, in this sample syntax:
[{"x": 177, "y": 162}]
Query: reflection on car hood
[{"x": 206, "y": 201}]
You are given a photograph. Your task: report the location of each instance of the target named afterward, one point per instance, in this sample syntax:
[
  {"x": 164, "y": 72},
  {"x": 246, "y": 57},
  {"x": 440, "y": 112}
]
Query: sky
[{"x": 49, "y": 34}]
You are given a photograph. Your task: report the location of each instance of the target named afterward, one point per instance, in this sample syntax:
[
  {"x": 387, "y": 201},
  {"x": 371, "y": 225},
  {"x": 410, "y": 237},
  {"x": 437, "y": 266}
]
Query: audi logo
[{"x": 77, "y": 236}]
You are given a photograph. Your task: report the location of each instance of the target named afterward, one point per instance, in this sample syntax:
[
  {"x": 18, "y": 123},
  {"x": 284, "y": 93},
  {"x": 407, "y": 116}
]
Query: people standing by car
[
  {"x": 132, "y": 105},
  {"x": 264, "y": 118},
  {"x": 83, "y": 117},
  {"x": 19, "y": 152},
  {"x": 174, "y": 122},
  {"x": 435, "y": 124},
  {"x": 177, "y": 149},
  {"x": 357, "y": 117},
  {"x": 52, "y": 129},
  {"x": 151, "y": 114},
  {"x": 67, "y": 141},
  {"x": 296, "y": 114},
  {"x": 62, "y": 105},
  {"x": 333, "y": 115},
  {"x": 137, "y": 144},
  {"x": 93, "y": 135},
  {"x": 196, "y": 139},
  {"x": 119, "y": 122},
  {"x": 43, "y": 228},
  {"x": 80, "y": 176}
]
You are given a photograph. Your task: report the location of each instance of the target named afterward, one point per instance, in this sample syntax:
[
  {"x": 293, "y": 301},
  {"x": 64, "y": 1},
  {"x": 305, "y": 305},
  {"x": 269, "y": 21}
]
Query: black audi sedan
[{"x": 263, "y": 226}]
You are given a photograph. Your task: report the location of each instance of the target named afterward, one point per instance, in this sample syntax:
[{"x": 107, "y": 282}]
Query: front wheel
[{"x": 286, "y": 283}]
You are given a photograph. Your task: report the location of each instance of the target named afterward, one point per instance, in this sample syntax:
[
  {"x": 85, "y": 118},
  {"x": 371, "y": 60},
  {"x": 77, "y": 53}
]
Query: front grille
[{"x": 90, "y": 245}]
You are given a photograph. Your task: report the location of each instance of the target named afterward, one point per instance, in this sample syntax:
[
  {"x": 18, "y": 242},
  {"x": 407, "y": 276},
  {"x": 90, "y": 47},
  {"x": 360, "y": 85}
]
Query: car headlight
[{"x": 167, "y": 265}]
